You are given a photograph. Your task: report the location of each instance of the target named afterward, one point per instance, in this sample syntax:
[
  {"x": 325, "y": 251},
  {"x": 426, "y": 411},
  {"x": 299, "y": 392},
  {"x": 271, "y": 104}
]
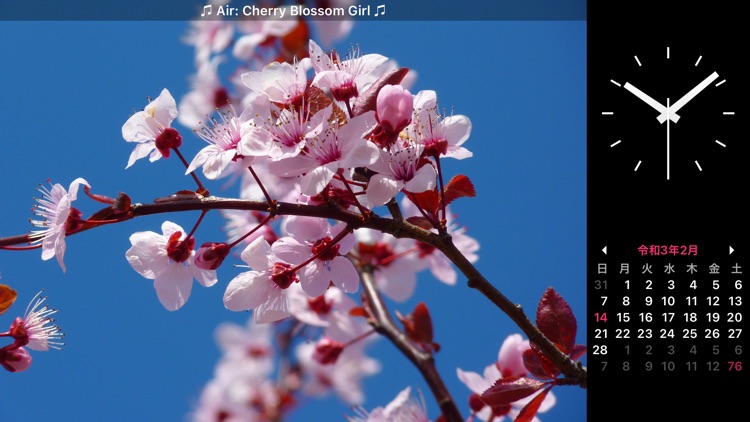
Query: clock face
[{"x": 671, "y": 112}]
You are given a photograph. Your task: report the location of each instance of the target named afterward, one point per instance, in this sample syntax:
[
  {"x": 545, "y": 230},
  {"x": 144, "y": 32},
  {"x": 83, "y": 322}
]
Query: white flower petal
[
  {"x": 423, "y": 180},
  {"x": 290, "y": 250},
  {"x": 148, "y": 254},
  {"x": 273, "y": 309},
  {"x": 457, "y": 129},
  {"x": 73, "y": 190},
  {"x": 140, "y": 151},
  {"x": 397, "y": 284},
  {"x": 474, "y": 381},
  {"x": 258, "y": 255},
  {"x": 306, "y": 228},
  {"x": 346, "y": 277},
  {"x": 247, "y": 291},
  {"x": 315, "y": 278},
  {"x": 314, "y": 181},
  {"x": 381, "y": 189},
  {"x": 173, "y": 286}
]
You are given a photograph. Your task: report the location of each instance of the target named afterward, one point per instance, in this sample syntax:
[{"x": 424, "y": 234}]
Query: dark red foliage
[
  {"x": 366, "y": 101},
  {"x": 507, "y": 390},
  {"x": 418, "y": 327},
  {"x": 556, "y": 321},
  {"x": 459, "y": 186}
]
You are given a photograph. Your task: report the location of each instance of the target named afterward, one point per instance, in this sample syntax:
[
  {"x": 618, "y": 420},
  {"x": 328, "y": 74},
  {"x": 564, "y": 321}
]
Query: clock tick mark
[
  {"x": 618, "y": 141},
  {"x": 637, "y": 61},
  {"x": 721, "y": 144},
  {"x": 728, "y": 113},
  {"x": 667, "y": 52},
  {"x": 699, "y": 60},
  {"x": 698, "y": 165},
  {"x": 608, "y": 113},
  {"x": 615, "y": 82},
  {"x": 637, "y": 165},
  {"x": 720, "y": 83}
]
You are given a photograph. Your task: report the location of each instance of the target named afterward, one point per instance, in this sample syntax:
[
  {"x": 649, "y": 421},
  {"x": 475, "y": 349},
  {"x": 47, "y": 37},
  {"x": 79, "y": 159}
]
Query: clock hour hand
[
  {"x": 652, "y": 102},
  {"x": 687, "y": 97}
]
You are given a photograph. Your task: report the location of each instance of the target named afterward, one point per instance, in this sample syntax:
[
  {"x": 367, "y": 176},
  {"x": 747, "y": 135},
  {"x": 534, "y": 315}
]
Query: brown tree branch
[
  {"x": 574, "y": 371},
  {"x": 383, "y": 323}
]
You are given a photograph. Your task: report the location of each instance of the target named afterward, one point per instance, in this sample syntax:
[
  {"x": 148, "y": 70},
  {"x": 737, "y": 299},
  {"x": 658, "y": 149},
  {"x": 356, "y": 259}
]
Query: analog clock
[{"x": 670, "y": 111}]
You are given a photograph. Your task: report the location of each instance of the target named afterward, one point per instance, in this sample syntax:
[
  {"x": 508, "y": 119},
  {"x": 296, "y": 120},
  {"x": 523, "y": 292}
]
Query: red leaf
[
  {"x": 538, "y": 365},
  {"x": 418, "y": 327},
  {"x": 317, "y": 100},
  {"x": 359, "y": 311},
  {"x": 556, "y": 321},
  {"x": 421, "y": 222},
  {"x": 578, "y": 351},
  {"x": 7, "y": 297},
  {"x": 507, "y": 390},
  {"x": 427, "y": 200},
  {"x": 529, "y": 411},
  {"x": 418, "y": 324},
  {"x": 366, "y": 101},
  {"x": 459, "y": 186},
  {"x": 102, "y": 214},
  {"x": 98, "y": 198},
  {"x": 122, "y": 203}
]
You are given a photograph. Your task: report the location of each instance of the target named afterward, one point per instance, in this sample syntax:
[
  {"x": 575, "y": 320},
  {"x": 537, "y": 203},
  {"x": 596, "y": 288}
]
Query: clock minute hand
[
  {"x": 650, "y": 101},
  {"x": 687, "y": 97}
]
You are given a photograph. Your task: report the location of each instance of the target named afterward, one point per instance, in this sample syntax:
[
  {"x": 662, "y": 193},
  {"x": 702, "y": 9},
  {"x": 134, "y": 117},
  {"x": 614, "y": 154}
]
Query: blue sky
[{"x": 67, "y": 88}]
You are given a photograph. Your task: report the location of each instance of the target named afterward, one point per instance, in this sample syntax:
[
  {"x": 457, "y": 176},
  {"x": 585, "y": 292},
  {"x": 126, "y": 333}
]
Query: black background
[{"x": 627, "y": 209}]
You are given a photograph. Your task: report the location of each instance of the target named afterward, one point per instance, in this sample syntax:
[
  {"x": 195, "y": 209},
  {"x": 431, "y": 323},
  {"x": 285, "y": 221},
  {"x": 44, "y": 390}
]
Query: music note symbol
[
  {"x": 377, "y": 10},
  {"x": 209, "y": 7}
]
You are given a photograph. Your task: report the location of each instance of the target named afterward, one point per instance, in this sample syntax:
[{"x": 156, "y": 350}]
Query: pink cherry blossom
[
  {"x": 394, "y": 106},
  {"x": 395, "y": 262},
  {"x": 261, "y": 289},
  {"x": 440, "y": 266},
  {"x": 510, "y": 355},
  {"x": 223, "y": 148},
  {"x": 343, "y": 377},
  {"x": 34, "y": 330},
  {"x": 151, "y": 129},
  {"x": 403, "y": 408},
  {"x": 240, "y": 222},
  {"x": 337, "y": 148},
  {"x": 312, "y": 236},
  {"x": 440, "y": 135},
  {"x": 400, "y": 169},
  {"x": 248, "y": 347},
  {"x": 331, "y": 30},
  {"x": 283, "y": 83},
  {"x": 217, "y": 403},
  {"x": 58, "y": 219},
  {"x": 256, "y": 33},
  {"x": 286, "y": 135},
  {"x": 164, "y": 259},
  {"x": 325, "y": 310},
  {"x": 347, "y": 77},
  {"x": 206, "y": 95},
  {"x": 209, "y": 36}
]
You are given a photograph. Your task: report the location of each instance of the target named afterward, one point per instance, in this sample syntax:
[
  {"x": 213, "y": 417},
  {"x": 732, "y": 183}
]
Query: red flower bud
[
  {"x": 327, "y": 351},
  {"x": 15, "y": 359},
  {"x": 394, "y": 108},
  {"x": 19, "y": 333},
  {"x": 179, "y": 250},
  {"x": 211, "y": 255},
  {"x": 475, "y": 403},
  {"x": 167, "y": 139}
]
